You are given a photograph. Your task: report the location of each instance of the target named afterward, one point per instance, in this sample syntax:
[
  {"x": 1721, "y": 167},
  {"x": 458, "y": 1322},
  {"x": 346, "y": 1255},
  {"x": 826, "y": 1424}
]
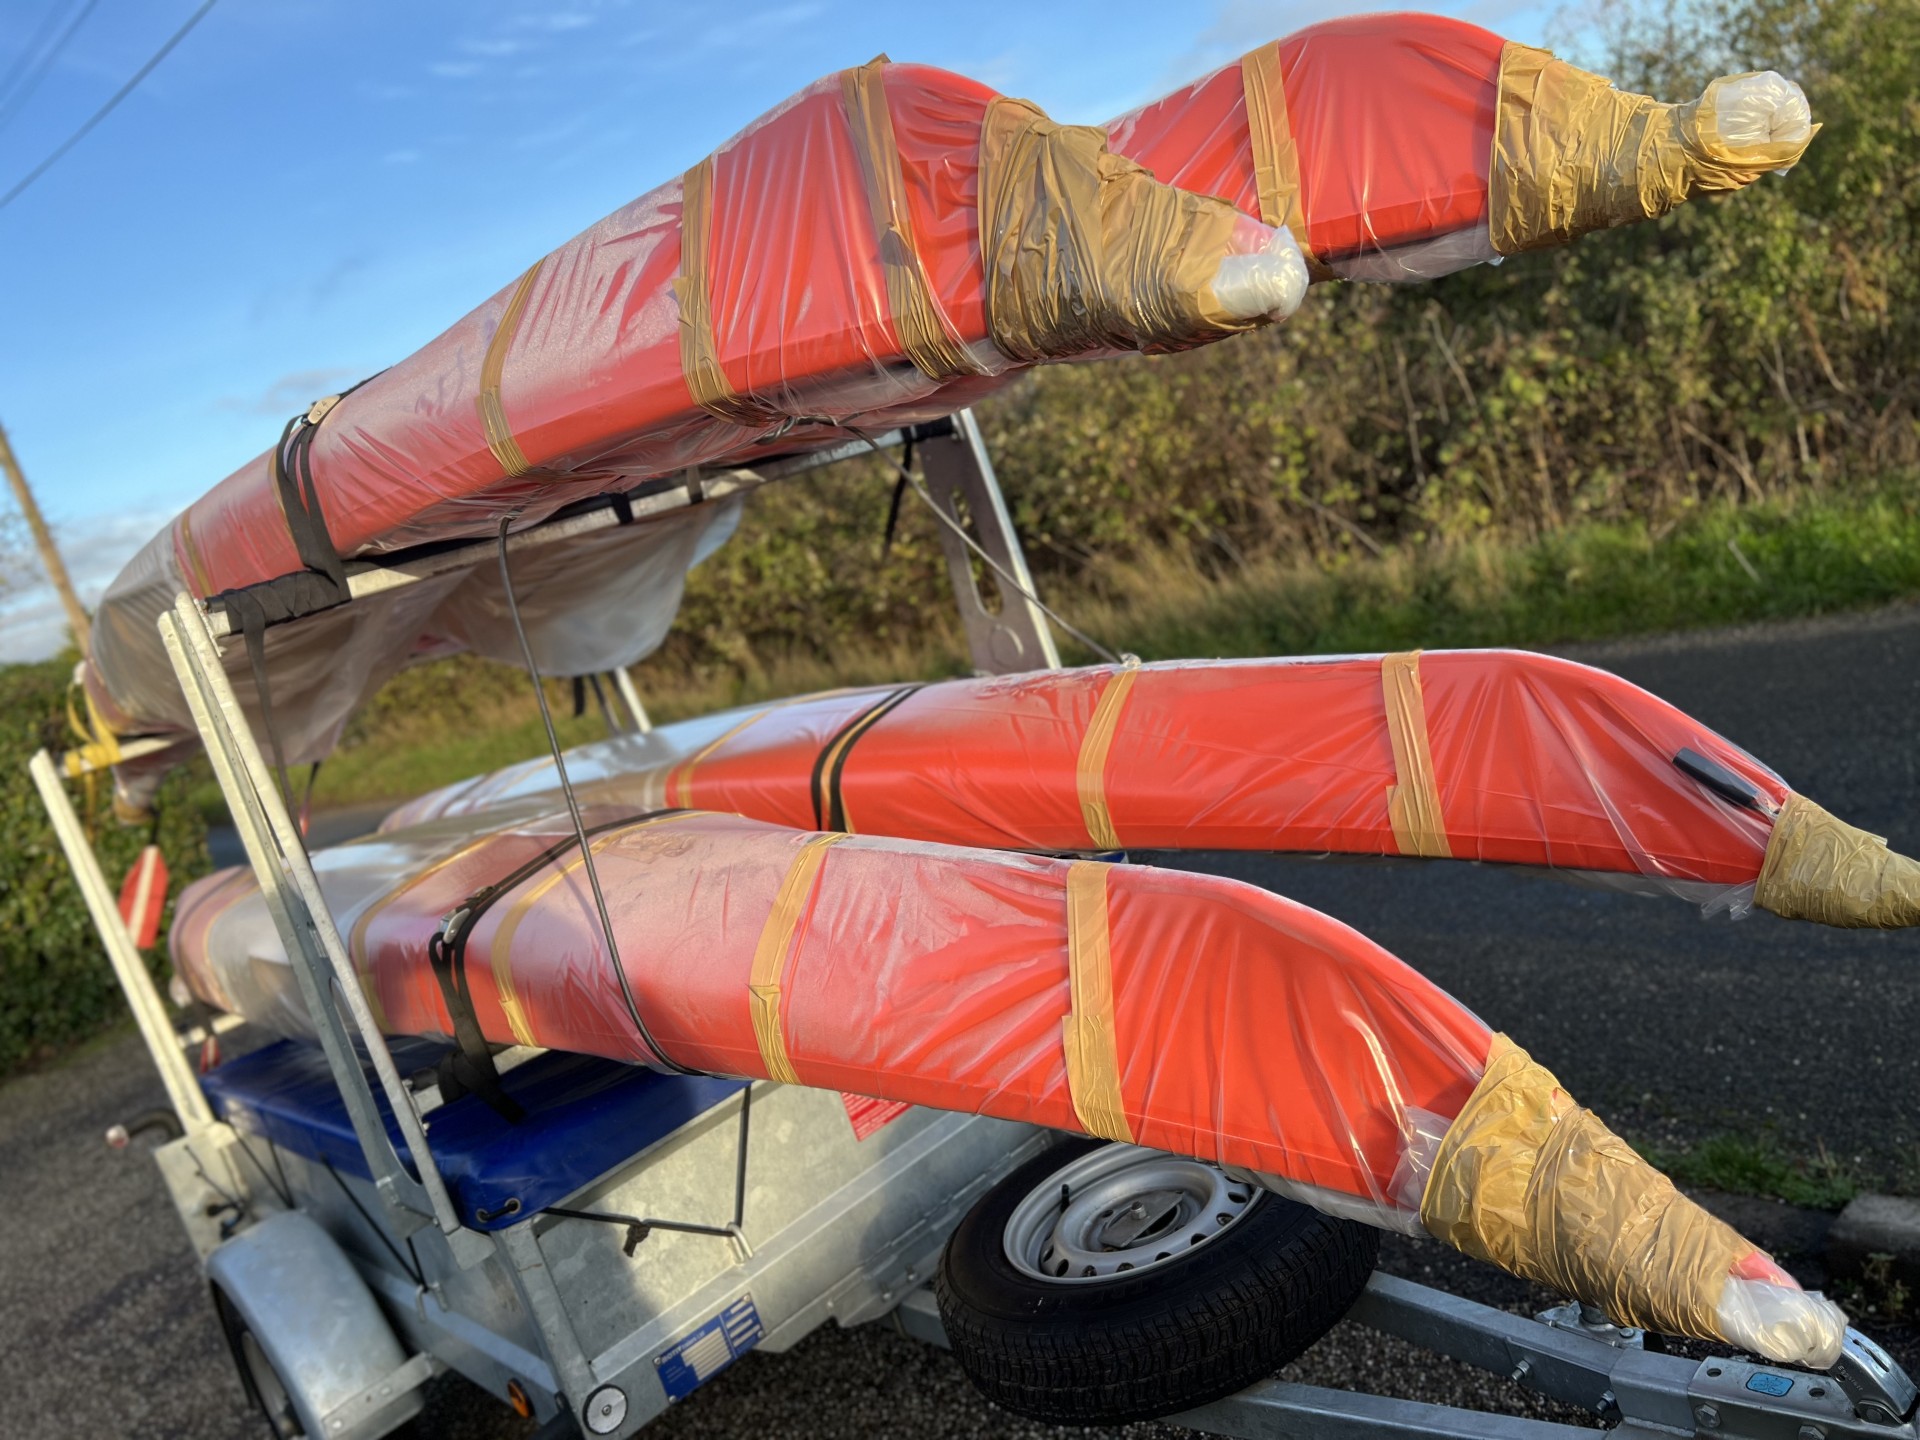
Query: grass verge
[
  {"x": 1814, "y": 554},
  {"x": 1757, "y": 1165}
]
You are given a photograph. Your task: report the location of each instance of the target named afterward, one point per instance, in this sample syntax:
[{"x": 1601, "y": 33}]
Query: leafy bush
[{"x": 55, "y": 984}]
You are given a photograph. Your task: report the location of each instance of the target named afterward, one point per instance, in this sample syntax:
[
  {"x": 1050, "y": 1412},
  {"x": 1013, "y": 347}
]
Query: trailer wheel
[
  {"x": 314, "y": 1351},
  {"x": 1102, "y": 1283},
  {"x": 258, "y": 1378}
]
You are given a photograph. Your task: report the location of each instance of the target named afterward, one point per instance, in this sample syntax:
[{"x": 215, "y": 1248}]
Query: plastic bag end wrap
[
  {"x": 1529, "y": 1181},
  {"x": 1086, "y": 253},
  {"x": 1820, "y": 868},
  {"x": 1571, "y": 154}
]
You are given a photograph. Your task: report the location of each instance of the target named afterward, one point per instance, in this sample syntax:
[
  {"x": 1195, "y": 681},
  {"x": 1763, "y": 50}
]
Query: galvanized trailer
[{"x": 637, "y": 1232}]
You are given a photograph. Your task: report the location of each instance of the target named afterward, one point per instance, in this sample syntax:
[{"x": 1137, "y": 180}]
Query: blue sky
[{"x": 305, "y": 192}]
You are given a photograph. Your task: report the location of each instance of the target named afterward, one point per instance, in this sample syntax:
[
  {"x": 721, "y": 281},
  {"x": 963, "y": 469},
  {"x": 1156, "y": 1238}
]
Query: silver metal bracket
[
  {"x": 349, "y": 1414},
  {"x": 1879, "y": 1389},
  {"x": 1589, "y": 1320},
  {"x": 1012, "y": 635},
  {"x": 328, "y": 983},
  {"x": 1745, "y": 1399}
]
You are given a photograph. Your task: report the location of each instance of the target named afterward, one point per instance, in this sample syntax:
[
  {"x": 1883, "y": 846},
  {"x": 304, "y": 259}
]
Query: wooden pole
[{"x": 43, "y": 541}]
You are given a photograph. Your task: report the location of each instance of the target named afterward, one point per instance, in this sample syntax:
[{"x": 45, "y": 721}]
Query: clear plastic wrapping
[
  {"x": 1499, "y": 755},
  {"x": 1182, "y": 1012}
]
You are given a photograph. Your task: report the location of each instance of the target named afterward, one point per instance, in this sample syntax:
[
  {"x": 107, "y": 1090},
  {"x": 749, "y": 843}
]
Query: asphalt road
[{"x": 1674, "y": 1027}]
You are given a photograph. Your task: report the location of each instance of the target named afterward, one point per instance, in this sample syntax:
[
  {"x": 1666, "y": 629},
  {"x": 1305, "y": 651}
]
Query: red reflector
[{"x": 143, "y": 895}]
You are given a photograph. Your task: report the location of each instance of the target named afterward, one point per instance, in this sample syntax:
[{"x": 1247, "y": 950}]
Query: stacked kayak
[
  {"x": 886, "y": 246},
  {"x": 1496, "y": 755},
  {"x": 1191, "y": 1014}
]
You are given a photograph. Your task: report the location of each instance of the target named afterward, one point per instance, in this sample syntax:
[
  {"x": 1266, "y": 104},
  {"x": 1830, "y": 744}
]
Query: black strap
[
  {"x": 322, "y": 583},
  {"x": 829, "y": 810},
  {"x": 252, "y": 615},
  {"x": 470, "y": 1069},
  {"x": 899, "y": 494},
  {"x": 300, "y": 500}
]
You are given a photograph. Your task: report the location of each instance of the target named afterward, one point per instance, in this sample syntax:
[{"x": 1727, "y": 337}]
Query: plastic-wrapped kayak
[
  {"x": 887, "y": 245},
  {"x": 1186, "y": 1013},
  {"x": 1494, "y": 755},
  {"x": 1400, "y": 147}
]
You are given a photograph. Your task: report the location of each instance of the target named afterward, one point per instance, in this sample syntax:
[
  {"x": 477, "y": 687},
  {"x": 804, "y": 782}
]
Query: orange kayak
[
  {"x": 1494, "y": 755},
  {"x": 1188, "y": 1013}
]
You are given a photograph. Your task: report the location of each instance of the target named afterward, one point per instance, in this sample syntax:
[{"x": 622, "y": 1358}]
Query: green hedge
[
  {"x": 1745, "y": 349},
  {"x": 55, "y": 985}
]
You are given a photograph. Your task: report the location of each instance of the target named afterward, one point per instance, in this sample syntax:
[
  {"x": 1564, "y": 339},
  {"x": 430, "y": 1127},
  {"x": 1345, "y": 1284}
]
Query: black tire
[
  {"x": 1139, "y": 1346},
  {"x": 265, "y": 1390}
]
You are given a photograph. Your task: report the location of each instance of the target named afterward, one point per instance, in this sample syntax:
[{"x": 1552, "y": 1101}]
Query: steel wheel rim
[
  {"x": 274, "y": 1400},
  {"x": 1125, "y": 1210}
]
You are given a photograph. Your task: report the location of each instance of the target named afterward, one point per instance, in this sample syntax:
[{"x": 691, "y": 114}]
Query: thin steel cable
[
  {"x": 18, "y": 95},
  {"x": 912, "y": 481},
  {"x": 48, "y": 23},
  {"x": 573, "y": 811},
  {"x": 113, "y": 103}
]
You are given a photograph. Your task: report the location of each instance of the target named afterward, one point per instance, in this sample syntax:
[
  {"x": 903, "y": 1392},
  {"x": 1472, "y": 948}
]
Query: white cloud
[
  {"x": 762, "y": 25},
  {"x": 552, "y": 20},
  {"x": 495, "y": 49},
  {"x": 401, "y": 157},
  {"x": 291, "y": 392},
  {"x": 33, "y": 625}
]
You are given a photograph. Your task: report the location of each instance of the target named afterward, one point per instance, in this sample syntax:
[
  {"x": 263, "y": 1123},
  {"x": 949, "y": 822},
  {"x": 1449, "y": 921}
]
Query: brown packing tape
[
  {"x": 699, "y": 352},
  {"x": 1531, "y": 1182},
  {"x": 680, "y": 777},
  {"x": 357, "y": 937},
  {"x": 1413, "y": 805},
  {"x": 1276, "y": 159},
  {"x": 1571, "y": 154},
  {"x": 1091, "y": 771},
  {"x": 1085, "y": 251},
  {"x": 188, "y": 549},
  {"x": 1821, "y": 868},
  {"x": 770, "y": 956},
  {"x": 500, "y": 946},
  {"x": 493, "y": 417},
  {"x": 1089, "y": 1033},
  {"x": 918, "y": 320}
]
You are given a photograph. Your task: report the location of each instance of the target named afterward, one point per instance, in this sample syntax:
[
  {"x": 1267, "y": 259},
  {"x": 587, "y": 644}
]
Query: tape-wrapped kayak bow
[
  {"x": 1186, "y": 1013},
  {"x": 1496, "y": 755}
]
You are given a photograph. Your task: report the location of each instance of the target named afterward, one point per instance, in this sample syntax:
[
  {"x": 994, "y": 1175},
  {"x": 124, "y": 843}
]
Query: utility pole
[{"x": 43, "y": 541}]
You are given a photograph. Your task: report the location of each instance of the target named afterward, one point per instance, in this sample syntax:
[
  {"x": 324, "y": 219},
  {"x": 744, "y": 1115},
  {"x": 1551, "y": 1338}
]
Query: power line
[
  {"x": 17, "y": 97},
  {"x": 32, "y": 47},
  {"x": 108, "y": 108}
]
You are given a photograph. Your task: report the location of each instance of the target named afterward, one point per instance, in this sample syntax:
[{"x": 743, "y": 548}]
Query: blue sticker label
[
  {"x": 697, "y": 1357},
  {"x": 1766, "y": 1384}
]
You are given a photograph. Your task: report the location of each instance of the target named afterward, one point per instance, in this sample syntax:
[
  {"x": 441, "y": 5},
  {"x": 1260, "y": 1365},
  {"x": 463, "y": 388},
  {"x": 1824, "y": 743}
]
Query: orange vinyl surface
[{"x": 1537, "y": 761}]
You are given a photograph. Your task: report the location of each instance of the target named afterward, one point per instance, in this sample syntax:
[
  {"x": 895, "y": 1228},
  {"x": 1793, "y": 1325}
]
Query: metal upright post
[
  {"x": 319, "y": 958},
  {"x": 630, "y": 697},
  {"x": 143, "y": 999},
  {"x": 1015, "y": 636}
]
